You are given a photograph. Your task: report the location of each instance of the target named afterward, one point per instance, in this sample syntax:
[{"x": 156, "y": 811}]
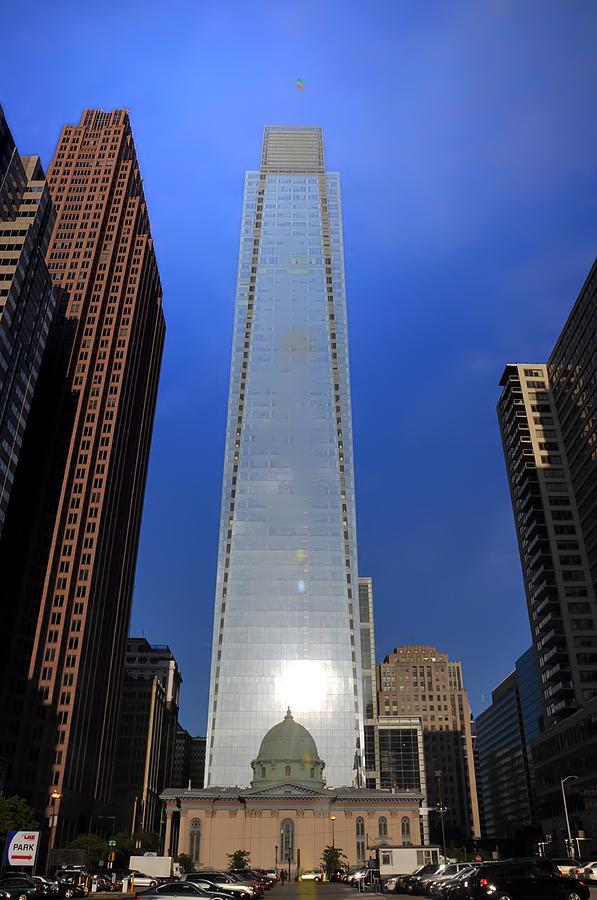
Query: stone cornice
[{"x": 288, "y": 792}]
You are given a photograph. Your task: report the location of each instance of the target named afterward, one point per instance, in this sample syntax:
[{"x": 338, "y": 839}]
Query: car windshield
[
  {"x": 466, "y": 872},
  {"x": 429, "y": 869}
]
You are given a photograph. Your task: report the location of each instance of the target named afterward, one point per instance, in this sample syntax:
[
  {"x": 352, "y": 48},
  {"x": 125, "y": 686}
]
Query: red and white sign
[{"x": 22, "y": 848}]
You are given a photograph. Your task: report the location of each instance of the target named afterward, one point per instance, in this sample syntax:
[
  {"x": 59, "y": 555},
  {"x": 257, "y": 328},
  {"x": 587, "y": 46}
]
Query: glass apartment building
[{"x": 286, "y": 626}]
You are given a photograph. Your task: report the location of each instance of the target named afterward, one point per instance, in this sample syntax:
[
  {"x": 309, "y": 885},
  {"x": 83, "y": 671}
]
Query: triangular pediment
[{"x": 284, "y": 789}]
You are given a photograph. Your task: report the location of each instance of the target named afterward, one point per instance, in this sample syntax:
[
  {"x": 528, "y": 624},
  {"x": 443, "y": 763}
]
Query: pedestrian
[{"x": 283, "y": 876}]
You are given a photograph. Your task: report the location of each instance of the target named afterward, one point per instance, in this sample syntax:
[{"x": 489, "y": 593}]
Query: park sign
[{"x": 21, "y": 848}]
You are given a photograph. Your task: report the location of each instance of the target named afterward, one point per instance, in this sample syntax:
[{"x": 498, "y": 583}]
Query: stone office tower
[
  {"x": 27, "y": 299},
  {"x": 83, "y": 486},
  {"x": 420, "y": 681},
  {"x": 286, "y": 629}
]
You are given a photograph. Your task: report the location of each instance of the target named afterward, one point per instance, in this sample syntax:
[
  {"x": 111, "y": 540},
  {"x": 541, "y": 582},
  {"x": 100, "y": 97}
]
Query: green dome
[{"x": 288, "y": 752}]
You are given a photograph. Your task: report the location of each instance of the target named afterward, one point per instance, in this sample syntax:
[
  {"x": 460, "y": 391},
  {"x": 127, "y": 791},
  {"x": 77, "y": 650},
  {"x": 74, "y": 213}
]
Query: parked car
[
  {"x": 177, "y": 890},
  {"x": 48, "y": 885},
  {"x": 20, "y": 887},
  {"x": 223, "y": 882},
  {"x": 355, "y": 876},
  {"x": 396, "y": 884},
  {"x": 457, "y": 886},
  {"x": 520, "y": 879},
  {"x": 565, "y": 864},
  {"x": 411, "y": 884},
  {"x": 69, "y": 888},
  {"x": 271, "y": 873},
  {"x": 206, "y": 887},
  {"x": 314, "y": 875},
  {"x": 268, "y": 879},
  {"x": 436, "y": 882},
  {"x": 141, "y": 880},
  {"x": 72, "y": 882},
  {"x": 250, "y": 876},
  {"x": 114, "y": 877},
  {"x": 586, "y": 872},
  {"x": 422, "y": 881}
]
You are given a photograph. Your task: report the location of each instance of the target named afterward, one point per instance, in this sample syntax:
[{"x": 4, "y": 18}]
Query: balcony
[
  {"x": 556, "y": 652},
  {"x": 562, "y": 687},
  {"x": 569, "y": 705},
  {"x": 547, "y": 639},
  {"x": 543, "y": 623},
  {"x": 536, "y": 529},
  {"x": 544, "y": 605}
]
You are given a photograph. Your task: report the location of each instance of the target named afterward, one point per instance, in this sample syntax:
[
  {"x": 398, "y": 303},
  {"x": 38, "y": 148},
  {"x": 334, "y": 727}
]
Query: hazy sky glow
[{"x": 466, "y": 135}]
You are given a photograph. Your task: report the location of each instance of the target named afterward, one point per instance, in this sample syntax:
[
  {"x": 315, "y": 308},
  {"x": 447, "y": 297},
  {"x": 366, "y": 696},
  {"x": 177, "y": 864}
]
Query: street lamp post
[
  {"x": 54, "y": 796},
  {"x": 562, "y": 783},
  {"x": 333, "y": 819},
  {"x": 440, "y": 806},
  {"x": 276, "y": 850}
]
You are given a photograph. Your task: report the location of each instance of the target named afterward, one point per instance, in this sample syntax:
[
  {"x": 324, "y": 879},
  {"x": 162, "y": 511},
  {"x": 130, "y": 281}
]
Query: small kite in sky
[{"x": 300, "y": 84}]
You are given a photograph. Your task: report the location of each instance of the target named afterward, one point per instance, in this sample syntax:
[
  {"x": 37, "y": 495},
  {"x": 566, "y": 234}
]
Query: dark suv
[{"x": 522, "y": 879}]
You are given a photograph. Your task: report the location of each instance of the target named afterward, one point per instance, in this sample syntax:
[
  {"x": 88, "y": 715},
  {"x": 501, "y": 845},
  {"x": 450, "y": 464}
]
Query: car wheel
[
  {"x": 69, "y": 892},
  {"x": 505, "y": 897},
  {"x": 22, "y": 896},
  {"x": 152, "y": 883},
  {"x": 572, "y": 895}
]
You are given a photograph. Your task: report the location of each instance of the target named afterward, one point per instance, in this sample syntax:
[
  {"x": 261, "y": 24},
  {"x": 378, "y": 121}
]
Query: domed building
[
  {"x": 287, "y": 816},
  {"x": 288, "y": 752}
]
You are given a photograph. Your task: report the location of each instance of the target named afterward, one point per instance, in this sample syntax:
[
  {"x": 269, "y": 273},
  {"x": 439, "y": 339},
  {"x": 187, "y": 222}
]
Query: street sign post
[{"x": 21, "y": 848}]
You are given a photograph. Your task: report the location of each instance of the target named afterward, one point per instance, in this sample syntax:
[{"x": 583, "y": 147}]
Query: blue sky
[{"x": 465, "y": 133}]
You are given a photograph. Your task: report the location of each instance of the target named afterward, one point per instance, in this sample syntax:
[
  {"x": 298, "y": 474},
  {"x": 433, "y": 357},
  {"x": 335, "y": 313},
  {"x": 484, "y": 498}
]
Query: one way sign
[{"x": 21, "y": 848}]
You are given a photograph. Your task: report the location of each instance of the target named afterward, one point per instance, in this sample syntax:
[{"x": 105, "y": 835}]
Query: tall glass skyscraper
[{"x": 286, "y": 627}]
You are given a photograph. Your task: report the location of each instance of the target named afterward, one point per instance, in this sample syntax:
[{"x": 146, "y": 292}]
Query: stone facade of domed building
[{"x": 287, "y": 815}]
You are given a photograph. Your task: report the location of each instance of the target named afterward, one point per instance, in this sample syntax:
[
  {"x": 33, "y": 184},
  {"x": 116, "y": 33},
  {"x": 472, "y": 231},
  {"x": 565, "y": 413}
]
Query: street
[{"x": 309, "y": 890}]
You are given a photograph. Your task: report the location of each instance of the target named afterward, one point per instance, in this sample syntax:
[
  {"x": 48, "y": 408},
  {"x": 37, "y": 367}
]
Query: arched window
[
  {"x": 405, "y": 831},
  {"x": 287, "y": 841},
  {"x": 263, "y": 771},
  {"x": 383, "y": 826},
  {"x": 360, "y": 827},
  {"x": 195, "y": 840},
  {"x": 287, "y": 771}
]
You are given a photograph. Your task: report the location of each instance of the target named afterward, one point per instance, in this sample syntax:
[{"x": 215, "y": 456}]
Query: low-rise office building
[{"x": 288, "y": 815}]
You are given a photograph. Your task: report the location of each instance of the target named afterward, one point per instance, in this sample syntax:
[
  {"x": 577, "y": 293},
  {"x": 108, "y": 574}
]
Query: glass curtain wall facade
[{"x": 286, "y": 627}]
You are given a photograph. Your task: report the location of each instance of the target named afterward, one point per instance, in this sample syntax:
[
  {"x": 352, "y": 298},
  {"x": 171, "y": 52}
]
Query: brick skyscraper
[{"x": 83, "y": 483}]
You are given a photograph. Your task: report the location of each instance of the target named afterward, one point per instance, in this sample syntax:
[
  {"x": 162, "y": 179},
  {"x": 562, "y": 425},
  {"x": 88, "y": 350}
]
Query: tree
[
  {"x": 95, "y": 847},
  {"x": 124, "y": 849},
  {"x": 240, "y": 859},
  {"x": 333, "y": 858},
  {"x": 185, "y": 861},
  {"x": 15, "y": 815}
]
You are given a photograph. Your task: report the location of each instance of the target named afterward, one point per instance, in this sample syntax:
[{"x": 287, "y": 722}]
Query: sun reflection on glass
[{"x": 303, "y": 685}]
